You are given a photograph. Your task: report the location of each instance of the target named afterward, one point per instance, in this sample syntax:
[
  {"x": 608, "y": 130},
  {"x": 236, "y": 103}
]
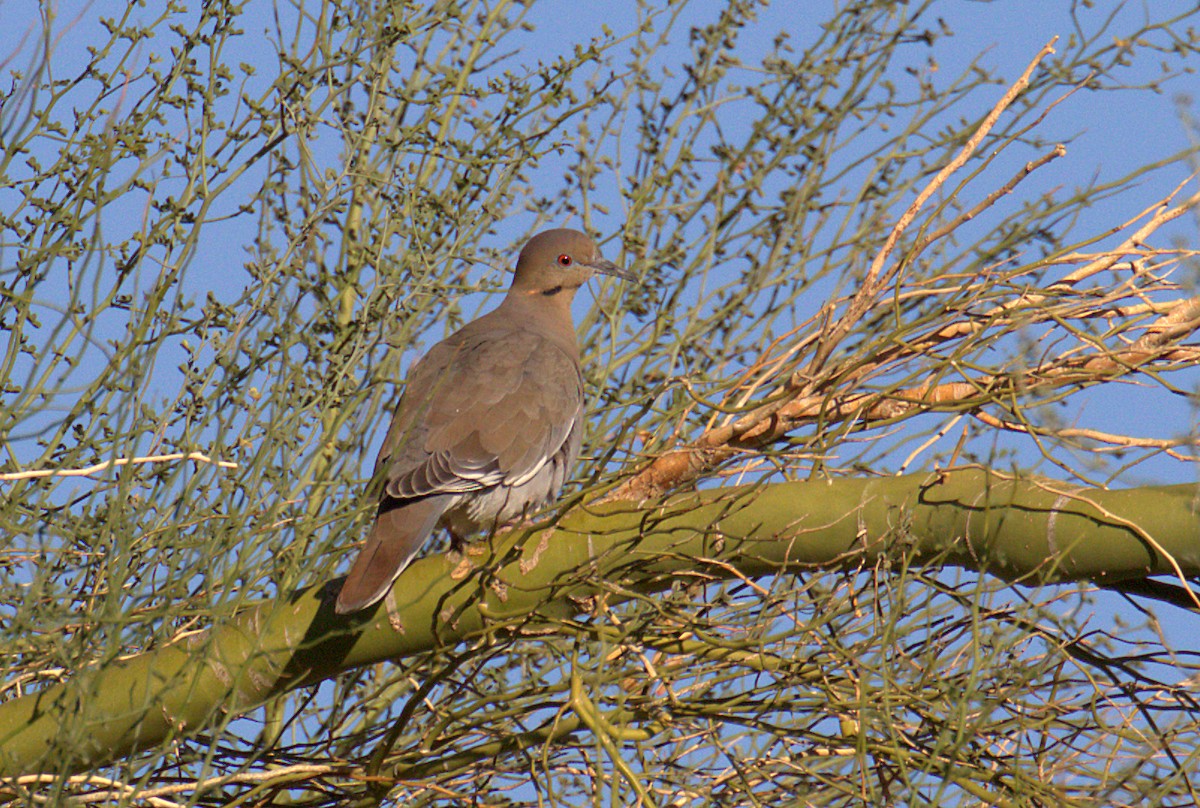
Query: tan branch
[
  {"x": 120, "y": 461},
  {"x": 875, "y": 277},
  {"x": 1007, "y": 188},
  {"x": 1136, "y": 241},
  {"x": 871, "y": 280},
  {"x": 1119, "y": 441},
  {"x": 117, "y": 790},
  {"x": 772, "y": 422}
]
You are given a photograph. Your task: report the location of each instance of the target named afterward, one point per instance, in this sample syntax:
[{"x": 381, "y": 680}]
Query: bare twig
[
  {"x": 115, "y": 790},
  {"x": 198, "y": 457},
  {"x": 875, "y": 277}
]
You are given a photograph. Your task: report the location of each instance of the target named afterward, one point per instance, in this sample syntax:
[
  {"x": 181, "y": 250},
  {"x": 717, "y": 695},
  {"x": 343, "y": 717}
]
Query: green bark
[{"x": 1027, "y": 530}]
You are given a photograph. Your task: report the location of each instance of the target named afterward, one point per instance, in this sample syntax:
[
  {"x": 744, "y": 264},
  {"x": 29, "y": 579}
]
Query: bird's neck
[{"x": 548, "y": 314}]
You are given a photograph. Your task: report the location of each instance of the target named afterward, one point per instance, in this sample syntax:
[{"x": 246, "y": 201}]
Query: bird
[{"x": 490, "y": 421}]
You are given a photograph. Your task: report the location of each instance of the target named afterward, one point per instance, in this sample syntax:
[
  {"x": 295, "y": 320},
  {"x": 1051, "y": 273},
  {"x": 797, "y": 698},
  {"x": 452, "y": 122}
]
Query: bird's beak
[{"x": 606, "y": 267}]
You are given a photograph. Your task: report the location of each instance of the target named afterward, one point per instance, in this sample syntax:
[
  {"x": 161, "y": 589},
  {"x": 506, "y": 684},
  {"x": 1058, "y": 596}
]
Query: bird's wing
[{"x": 482, "y": 412}]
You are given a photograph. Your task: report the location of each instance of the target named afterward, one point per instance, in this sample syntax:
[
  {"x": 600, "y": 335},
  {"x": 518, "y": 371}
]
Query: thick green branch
[{"x": 1026, "y": 530}]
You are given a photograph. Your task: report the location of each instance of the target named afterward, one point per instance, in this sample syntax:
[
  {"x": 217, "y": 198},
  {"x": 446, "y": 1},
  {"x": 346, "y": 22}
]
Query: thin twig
[
  {"x": 116, "y": 789},
  {"x": 119, "y": 461},
  {"x": 875, "y": 277}
]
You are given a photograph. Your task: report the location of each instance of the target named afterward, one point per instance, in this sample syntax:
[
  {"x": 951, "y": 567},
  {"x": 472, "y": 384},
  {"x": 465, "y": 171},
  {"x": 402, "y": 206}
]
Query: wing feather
[{"x": 481, "y": 410}]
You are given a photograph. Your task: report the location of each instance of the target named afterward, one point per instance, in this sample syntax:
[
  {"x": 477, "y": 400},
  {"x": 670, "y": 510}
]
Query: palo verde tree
[{"x": 843, "y": 531}]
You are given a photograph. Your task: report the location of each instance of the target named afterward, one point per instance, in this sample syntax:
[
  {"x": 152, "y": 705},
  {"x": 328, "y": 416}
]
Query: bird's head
[{"x": 555, "y": 262}]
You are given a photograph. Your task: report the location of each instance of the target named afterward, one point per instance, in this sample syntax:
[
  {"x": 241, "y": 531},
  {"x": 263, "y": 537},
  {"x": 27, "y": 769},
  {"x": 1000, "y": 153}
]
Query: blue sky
[{"x": 1110, "y": 133}]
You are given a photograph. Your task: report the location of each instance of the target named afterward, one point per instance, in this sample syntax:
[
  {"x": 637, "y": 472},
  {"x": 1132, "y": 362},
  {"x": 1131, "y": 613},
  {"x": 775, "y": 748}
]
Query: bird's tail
[{"x": 394, "y": 540}]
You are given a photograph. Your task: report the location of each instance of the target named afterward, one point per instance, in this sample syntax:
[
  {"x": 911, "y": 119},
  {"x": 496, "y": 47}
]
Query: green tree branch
[{"x": 1026, "y": 530}]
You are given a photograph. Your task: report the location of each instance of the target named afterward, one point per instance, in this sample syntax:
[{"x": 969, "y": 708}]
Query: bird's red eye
[{"x": 565, "y": 260}]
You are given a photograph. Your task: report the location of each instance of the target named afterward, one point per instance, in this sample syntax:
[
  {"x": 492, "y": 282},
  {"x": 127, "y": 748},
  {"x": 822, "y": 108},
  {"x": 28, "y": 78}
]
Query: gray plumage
[{"x": 489, "y": 425}]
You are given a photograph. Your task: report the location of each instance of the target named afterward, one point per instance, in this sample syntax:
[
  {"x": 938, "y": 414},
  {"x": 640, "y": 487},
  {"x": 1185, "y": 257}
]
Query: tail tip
[{"x": 349, "y": 603}]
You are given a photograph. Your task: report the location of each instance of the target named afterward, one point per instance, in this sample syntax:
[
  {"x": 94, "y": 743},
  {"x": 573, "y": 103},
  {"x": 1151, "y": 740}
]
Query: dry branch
[
  {"x": 799, "y": 400},
  {"x": 198, "y": 457}
]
